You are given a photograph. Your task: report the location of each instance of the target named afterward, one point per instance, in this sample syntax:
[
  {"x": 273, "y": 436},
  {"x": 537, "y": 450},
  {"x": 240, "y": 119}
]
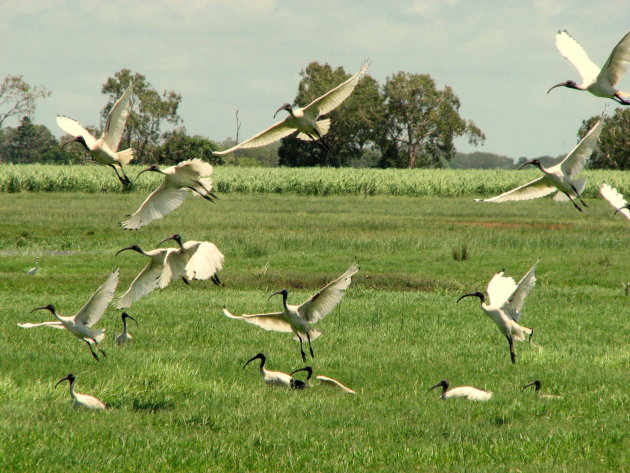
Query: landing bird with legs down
[
  {"x": 105, "y": 149},
  {"x": 325, "y": 380},
  {"x": 538, "y": 393},
  {"x": 178, "y": 180},
  {"x": 297, "y": 318},
  {"x": 600, "y": 83},
  {"x": 33, "y": 270},
  {"x": 305, "y": 120},
  {"x": 560, "y": 178},
  {"x": 125, "y": 337},
  {"x": 80, "y": 325},
  {"x": 615, "y": 198},
  {"x": 505, "y": 303},
  {"x": 466, "y": 392},
  {"x": 199, "y": 260},
  {"x": 276, "y": 378},
  {"x": 81, "y": 400}
]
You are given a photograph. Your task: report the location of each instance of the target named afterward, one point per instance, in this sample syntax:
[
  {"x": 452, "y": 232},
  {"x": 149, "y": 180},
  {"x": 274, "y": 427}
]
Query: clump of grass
[
  {"x": 626, "y": 288},
  {"x": 460, "y": 254}
]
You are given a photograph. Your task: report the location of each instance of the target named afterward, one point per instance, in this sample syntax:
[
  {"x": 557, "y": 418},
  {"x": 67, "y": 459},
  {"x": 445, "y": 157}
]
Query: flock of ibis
[{"x": 201, "y": 260}]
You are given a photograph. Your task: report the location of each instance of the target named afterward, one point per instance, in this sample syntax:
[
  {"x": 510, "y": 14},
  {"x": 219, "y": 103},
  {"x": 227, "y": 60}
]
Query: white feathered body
[
  {"x": 467, "y": 392},
  {"x": 80, "y": 330},
  {"x": 506, "y": 325},
  {"x": 86, "y": 401},
  {"x": 196, "y": 260},
  {"x": 275, "y": 378}
]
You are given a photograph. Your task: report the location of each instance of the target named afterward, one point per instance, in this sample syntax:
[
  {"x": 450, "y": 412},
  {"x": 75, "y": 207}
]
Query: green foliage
[
  {"x": 421, "y": 122},
  {"x": 149, "y": 111},
  {"x": 31, "y": 143},
  {"x": 178, "y": 146},
  {"x": 182, "y": 402},
  {"x": 18, "y": 97},
  {"x": 613, "y": 148},
  {"x": 481, "y": 160}
]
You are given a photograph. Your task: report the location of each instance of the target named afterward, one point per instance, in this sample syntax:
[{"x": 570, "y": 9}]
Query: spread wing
[
  {"x": 116, "y": 120},
  {"x": 334, "y": 383},
  {"x": 94, "y": 309},
  {"x": 174, "y": 266},
  {"x": 525, "y": 285},
  {"x": 573, "y": 163},
  {"x": 333, "y": 98},
  {"x": 265, "y": 137},
  {"x": 53, "y": 324},
  {"x": 615, "y": 199},
  {"x": 194, "y": 168},
  {"x": 74, "y": 128},
  {"x": 275, "y": 321},
  {"x": 146, "y": 281},
  {"x": 500, "y": 288},
  {"x": 575, "y": 54},
  {"x": 206, "y": 261},
  {"x": 532, "y": 190},
  {"x": 320, "y": 304},
  {"x": 615, "y": 66},
  {"x": 160, "y": 202}
]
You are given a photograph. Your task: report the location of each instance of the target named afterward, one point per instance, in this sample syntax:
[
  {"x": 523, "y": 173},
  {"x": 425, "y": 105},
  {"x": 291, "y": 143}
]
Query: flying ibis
[
  {"x": 560, "y": 177},
  {"x": 178, "y": 180},
  {"x": 598, "y": 82},
  {"x": 505, "y": 303},
  {"x": 105, "y": 149},
  {"x": 297, "y": 318},
  {"x": 80, "y": 325},
  {"x": 199, "y": 260},
  {"x": 81, "y": 400},
  {"x": 125, "y": 337},
  {"x": 467, "y": 392},
  {"x": 615, "y": 199},
  {"x": 305, "y": 120},
  {"x": 276, "y": 378}
]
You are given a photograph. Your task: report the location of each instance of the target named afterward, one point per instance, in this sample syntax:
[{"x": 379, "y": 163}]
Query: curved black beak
[
  {"x": 561, "y": 84},
  {"x": 438, "y": 385},
  {"x": 526, "y": 163},
  {"x": 73, "y": 140},
  {"x": 275, "y": 294},
  {"x": 533, "y": 383},
  {"x": 175, "y": 237},
  {"x": 622, "y": 208},
  {"x": 47, "y": 307},
  {"x": 472, "y": 294},
  {"x": 258, "y": 356},
  {"x": 308, "y": 369},
  {"x": 284, "y": 106},
  {"x": 125, "y": 315},
  {"x": 128, "y": 248},
  {"x": 65, "y": 378}
]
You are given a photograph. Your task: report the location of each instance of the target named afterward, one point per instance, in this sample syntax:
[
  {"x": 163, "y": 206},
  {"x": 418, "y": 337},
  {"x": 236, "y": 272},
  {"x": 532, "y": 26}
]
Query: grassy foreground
[{"x": 181, "y": 402}]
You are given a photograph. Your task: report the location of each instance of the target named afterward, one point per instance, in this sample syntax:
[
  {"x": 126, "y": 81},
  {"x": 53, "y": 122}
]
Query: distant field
[
  {"x": 182, "y": 402},
  {"x": 304, "y": 181}
]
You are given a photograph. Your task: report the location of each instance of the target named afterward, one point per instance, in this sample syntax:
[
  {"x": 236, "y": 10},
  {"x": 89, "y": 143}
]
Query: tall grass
[{"x": 302, "y": 181}]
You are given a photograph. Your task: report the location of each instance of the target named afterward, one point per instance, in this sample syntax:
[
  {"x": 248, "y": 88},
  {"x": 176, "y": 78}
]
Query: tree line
[{"x": 407, "y": 122}]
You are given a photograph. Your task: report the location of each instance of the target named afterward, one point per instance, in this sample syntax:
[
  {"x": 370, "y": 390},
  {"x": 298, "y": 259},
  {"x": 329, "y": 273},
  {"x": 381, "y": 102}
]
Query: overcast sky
[{"x": 222, "y": 55}]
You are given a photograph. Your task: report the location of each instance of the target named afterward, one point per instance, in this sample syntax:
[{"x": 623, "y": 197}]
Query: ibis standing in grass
[
  {"x": 538, "y": 393},
  {"x": 125, "y": 337},
  {"x": 505, "y": 303},
  {"x": 33, "y": 270},
  {"x": 80, "y": 325},
  {"x": 105, "y": 149},
  {"x": 598, "y": 82},
  {"x": 297, "y": 318},
  {"x": 192, "y": 260},
  {"x": 466, "y": 392},
  {"x": 276, "y": 378},
  {"x": 178, "y": 180},
  {"x": 325, "y": 380},
  {"x": 81, "y": 400},
  {"x": 615, "y": 198},
  {"x": 305, "y": 120},
  {"x": 561, "y": 178}
]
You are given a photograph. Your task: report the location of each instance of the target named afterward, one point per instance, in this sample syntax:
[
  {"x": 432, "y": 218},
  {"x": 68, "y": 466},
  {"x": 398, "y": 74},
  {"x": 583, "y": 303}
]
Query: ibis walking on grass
[
  {"x": 199, "y": 260},
  {"x": 505, "y": 303},
  {"x": 297, "y": 318},
  {"x": 105, "y": 149},
  {"x": 81, "y": 400},
  {"x": 561, "y": 177},
  {"x": 325, "y": 380},
  {"x": 615, "y": 198},
  {"x": 466, "y": 392},
  {"x": 178, "y": 180},
  {"x": 305, "y": 120},
  {"x": 276, "y": 378},
  {"x": 80, "y": 325},
  {"x": 125, "y": 337},
  {"x": 598, "y": 82}
]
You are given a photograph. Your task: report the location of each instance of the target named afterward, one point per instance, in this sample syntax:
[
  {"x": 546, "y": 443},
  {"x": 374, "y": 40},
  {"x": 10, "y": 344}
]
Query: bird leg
[
  {"x": 200, "y": 184},
  {"x": 125, "y": 182},
  {"x": 185, "y": 280},
  {"x": 531, "y": 335},
  {"x": 512, "y": 354},
  {"x": 91, "y": 350},
  {"x": 205, "y": 196},
  {"x": 301, "y": 349},
  {"x": 620, "y": 100},
  {"x": 215, "y": 279},
  {"x": 573, "y": 202},
  {"x": 308, "y": 337},
  {"x": 578, "y": 196}
]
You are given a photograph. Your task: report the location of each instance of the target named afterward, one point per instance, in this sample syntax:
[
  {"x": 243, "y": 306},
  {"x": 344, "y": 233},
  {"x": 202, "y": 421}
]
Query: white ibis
[
  {"x": 125, "y": 337},
  {"x": 615, "y": 199},
  {"x": 538, "y": 393},
  {"x": 560, "y": 177},
  {"x": 304, "y": 120},
  {"x": 505, "y": 303},
  {"x": 80, "y": 325},
  {"x": 105, "y": 149},
  {"x": 33, "y": 270},
  {"x": 81, "y": 400},
  {"x": 297, "y": 318},
  {"x": 325, "y": 380},
  {"x": 467, "y": 392},
  {"x": 276, "y": 378},
  {"x": 178, "y": 179},
  {"x": 600, "y": 83},
  {"x": 148, "y": 279},
  {"x": 199, "y": 260}
]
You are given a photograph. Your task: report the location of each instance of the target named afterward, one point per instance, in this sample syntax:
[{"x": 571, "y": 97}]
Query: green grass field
[{"x": 182, "y": 402}]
